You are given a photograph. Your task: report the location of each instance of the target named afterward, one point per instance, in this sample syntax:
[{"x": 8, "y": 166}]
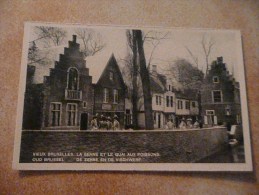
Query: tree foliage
[{"x": 189, "y": 76}]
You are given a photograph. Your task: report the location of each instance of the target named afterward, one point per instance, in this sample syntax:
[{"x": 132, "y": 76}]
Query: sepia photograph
[{"x": 131, "y": 98}]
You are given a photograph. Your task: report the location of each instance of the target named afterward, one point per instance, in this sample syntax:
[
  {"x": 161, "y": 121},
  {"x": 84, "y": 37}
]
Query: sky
[{"x": 226, "y": 44}]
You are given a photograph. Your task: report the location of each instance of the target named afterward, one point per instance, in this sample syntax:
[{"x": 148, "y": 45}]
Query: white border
[{"x": 238, "y": 167}]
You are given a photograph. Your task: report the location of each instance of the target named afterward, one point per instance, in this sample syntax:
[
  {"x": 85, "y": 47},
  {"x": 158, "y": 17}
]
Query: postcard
[{"x": 131, "y": 99}]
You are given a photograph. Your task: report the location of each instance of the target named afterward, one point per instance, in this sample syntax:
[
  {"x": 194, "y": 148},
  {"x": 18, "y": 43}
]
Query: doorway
[{"x": 84, "y": 121}]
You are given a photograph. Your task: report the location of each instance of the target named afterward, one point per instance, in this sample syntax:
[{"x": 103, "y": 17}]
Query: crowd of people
[
  {"x": 105, "y": 123},
  {"x": 184, "y": 124}
]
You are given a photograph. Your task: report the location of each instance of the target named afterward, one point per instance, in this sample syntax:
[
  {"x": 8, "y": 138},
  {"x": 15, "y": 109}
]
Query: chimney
[{"x": 74, "y": 38}]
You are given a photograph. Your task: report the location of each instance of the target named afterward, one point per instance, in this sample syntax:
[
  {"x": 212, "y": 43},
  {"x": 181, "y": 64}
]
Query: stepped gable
[
  {"x": 219, "y": 68},
  {"x": 72, "y": 57}
]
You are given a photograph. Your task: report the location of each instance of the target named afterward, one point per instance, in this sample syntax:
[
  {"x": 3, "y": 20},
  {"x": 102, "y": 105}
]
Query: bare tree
[
  {"x": 194, "y": 58},
  {"x": 145, "y": 78},
  {"x": 154, "y": 38},
  {"x": 133, "y": 64},
  {"x": 92, "y": 41},
  {"x": 50, "y": 35},
  {"x": 207, "y": 46},
  {"x": 46, "y": 37}
]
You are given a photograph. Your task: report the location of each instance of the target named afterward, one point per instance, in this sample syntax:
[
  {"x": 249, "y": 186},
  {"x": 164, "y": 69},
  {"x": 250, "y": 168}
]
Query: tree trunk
[
  {"x": 144, "y": 74},
  {"x": 134, "y": 83}
]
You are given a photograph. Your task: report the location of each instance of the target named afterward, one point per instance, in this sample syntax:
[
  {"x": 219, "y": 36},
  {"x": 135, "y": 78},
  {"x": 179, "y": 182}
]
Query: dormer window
[
  {"x": 215, "y": 79},
  {"x": 111, "y": 76}
]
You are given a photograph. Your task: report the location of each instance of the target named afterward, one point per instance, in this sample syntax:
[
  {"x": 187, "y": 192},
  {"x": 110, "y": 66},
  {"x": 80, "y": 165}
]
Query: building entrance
[{"x": 84, "y": 121}]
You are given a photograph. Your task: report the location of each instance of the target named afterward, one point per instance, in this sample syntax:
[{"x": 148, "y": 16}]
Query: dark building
[
  {"x": 65, "y": 99},
  {"x": 220, "y": 96},
  {"x": 32, "y": 112},
  {"x": 109, "y": 89}
]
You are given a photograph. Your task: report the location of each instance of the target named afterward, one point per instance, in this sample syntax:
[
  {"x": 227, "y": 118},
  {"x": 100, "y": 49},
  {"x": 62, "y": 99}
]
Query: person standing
[
  {"x": 109, "y": 123},
  {"x": 103, "y": 124},
  {"x": 94, "y": 124},
  {"x": 116, "y": 123},
  {"x": 170, "y": 124},
  {"x": 183, "y": 124}
]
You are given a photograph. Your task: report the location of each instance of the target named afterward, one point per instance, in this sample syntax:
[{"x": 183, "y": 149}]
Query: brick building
[
  {"x": 65, "y": 98},
  {"x": 220, "y": 96},
  {"x": 109, "y": 87}
]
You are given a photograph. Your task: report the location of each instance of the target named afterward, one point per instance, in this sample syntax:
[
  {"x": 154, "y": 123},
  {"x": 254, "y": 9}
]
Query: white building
[{"x": 167, "y": 102}]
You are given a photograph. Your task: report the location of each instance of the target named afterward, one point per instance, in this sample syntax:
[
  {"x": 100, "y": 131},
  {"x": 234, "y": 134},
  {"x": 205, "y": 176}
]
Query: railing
[{"x": 73, "y": 94}]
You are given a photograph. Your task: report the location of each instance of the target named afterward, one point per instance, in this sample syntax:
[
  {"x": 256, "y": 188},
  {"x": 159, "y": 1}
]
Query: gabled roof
[
  {"x": 97, "y": 64},
  {"x": 157, "y": 83}
]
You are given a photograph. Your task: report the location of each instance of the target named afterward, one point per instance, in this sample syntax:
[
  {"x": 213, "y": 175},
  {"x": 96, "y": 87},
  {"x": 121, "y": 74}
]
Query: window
[
  {"x": 105, "y": 95},
  {"x": 73, "y": 80},
  {"x": 154, "y": 115},
  {"x": 111, "y": 76},
  {"x": 215, "y": 79},
  {"x": 169, "y": 87},
  {"x": 210, "y": 112},
  {"x": 180, "y": 104},
  {"x": 55, "y": 113},
  {"x": 158, "y": 100},
  {"x": 193, "y": 104},
  {"x": 167, "y": 100},
  {"x": 115, "y": 96},
  {"x": 84, "y": 104},
  {"x": 172, "y": 101},
  {"x": 71, "y": 114},
  {"x": 187, "y": 105},
  {"x": 217, "y": 96}
]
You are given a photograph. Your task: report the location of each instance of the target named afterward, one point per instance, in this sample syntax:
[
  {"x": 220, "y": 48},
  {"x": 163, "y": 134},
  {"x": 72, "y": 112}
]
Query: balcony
[{"x": 73, "y": 94}]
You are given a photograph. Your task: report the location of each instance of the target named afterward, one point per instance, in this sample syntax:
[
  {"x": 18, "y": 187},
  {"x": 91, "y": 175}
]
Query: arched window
[{"x": 73, "y": 79}]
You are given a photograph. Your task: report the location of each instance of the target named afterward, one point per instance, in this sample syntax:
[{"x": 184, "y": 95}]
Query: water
[{"x": 229, "y": 155}]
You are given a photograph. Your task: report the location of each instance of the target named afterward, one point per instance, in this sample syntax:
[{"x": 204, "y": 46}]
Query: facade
[
  {"x": 109, "y": 91},
  {"x": 187, "y": 106},
  {"x": 65, "y": 99},
  {"x": 220, "y": 96},
  {"x": 168, "y": 103}
]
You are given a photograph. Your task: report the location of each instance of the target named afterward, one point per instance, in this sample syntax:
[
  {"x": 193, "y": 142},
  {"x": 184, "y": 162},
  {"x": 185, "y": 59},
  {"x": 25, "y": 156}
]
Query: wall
[
  {"x": 218, "y": 14},
  {"x": 180, "y": 146}
]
